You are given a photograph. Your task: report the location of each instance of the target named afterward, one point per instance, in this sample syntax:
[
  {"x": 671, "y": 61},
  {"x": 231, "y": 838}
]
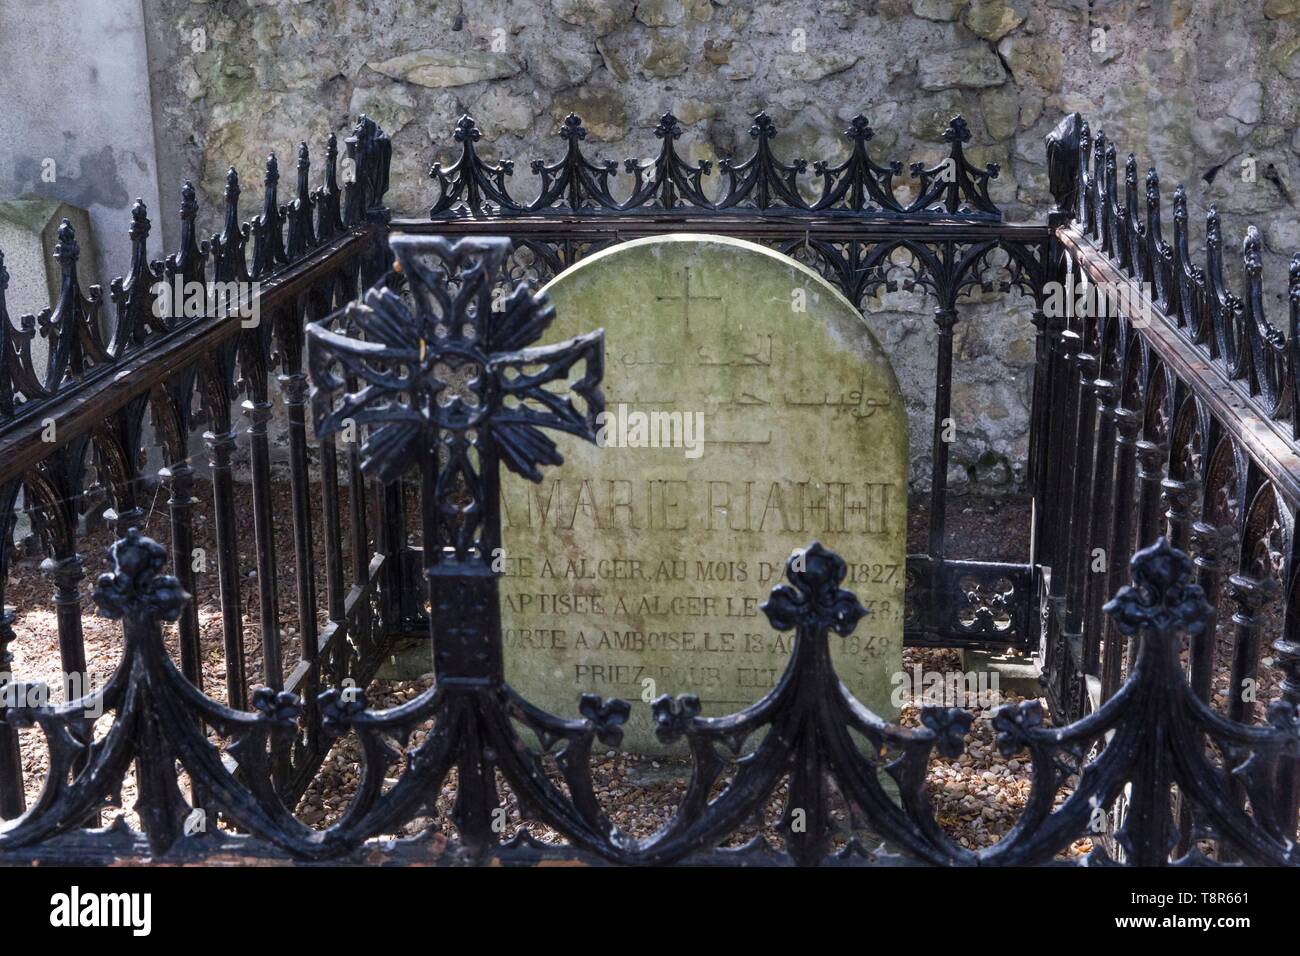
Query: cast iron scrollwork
[
  {"x": 760, "y": 183},
  {"x": 1151, "y": 735}
]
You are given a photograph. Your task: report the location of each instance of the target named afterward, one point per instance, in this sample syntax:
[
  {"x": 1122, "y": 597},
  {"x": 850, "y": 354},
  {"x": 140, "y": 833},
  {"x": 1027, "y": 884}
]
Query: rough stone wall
[{"x": 1194, "y": 86}]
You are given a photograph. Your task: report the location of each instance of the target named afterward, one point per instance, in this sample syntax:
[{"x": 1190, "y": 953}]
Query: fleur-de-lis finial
[
  {"x": 668, "y": 126},
  {"x": 673, "y": 715},
  {"x": 957, "y": 130},
  {"x": 280, "y": 707},
  {"x": 136, "y": 585},
  {"x": 572, "y": 128},
  {"x": 1250, "y": 252},
  {"x": 950, "y": 726},
  {"x": 763, "y": 127},
  {"x": 1014, "y": 724},
  {"x": 859, "y": 129},
  {"x": 814, "y": 600},
  {"x": 1162, "y": 598},
  {"x": 607, "y": 717},
  {"x": 466, "y": 129},
  {"x": 65, "y": 245},
  {"x": 189, "y": 200},
  {"x": 139, "y": 221}
]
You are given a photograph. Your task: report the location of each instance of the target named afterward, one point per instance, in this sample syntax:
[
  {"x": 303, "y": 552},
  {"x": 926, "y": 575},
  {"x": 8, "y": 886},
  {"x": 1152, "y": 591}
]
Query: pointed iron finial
[
  {"x": 66, "y": 249},
  {"x": 139, "y": 221},
  {"x": 189, "y": 201},
  {"x": 957, "y": 131},
  {"x": 859, "y": 129},
  {"x": 466, "y": 129}
]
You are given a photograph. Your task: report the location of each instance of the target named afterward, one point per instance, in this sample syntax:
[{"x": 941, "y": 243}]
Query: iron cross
[{"x": 449, "y": 383}]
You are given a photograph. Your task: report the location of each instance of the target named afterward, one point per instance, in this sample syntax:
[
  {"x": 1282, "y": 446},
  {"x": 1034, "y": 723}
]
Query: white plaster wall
[{"x": 74, "y": 87}]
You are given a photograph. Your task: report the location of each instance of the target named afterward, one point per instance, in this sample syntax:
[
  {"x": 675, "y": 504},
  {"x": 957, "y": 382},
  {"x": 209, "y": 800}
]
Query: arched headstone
[{"x": 749, "y": 412}]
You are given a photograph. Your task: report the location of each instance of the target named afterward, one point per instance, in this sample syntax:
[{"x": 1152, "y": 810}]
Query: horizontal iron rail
[
  {"x": 1228, "y": 399},
  {"x": 774, "y": 227},
  {"x": 79, "y": 409}
]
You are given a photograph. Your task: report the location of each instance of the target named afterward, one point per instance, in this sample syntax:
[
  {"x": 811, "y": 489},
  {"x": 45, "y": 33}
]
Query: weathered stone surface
[
  {"x": 742, "y": 63},
  {"x": 928, "y": 123},
  {"x": 691, "y": 111},
  {"x": 601, "y": 15},
  {"x": 391, "y": 106},
  {"x": 603, "y": 112},
  {"x": 810, "y": 67},
  {"x": 1033, "y": 61},
  {"x": 499, "y": 108},
  {"x": 1286, "y": 57},
  {"x": 717, "y": 52},
  {"x": 642, "y": 568},
  {"x": 438, "y": 68},
  {"x": 1247, "y": 103},
  {"x": 561, "y": 64},
  {"x": 1266, "y": 137},
  {"x": 965, "y": 66},
  {"x": 661, "y": 13},
  {"x": 667, "y": 57},
  {"x": 1217, "y": 137},
  {"x": 701, "y": 11},
  {"x": 617, "y": 57},
  {"x": 994, "y": 19},
  {"x": 938, "y": 9},
  {"x": 1283, "y": 237},
  {"x": 1001, "y": 109}
]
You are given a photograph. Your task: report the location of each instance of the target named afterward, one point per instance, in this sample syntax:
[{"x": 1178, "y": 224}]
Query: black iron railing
[
  {"x": 88, "y": 405},
  {"x": 1176, "y": 407},
  {"x": 1201, "y": 385},
  {"x": 850, "y": 223}
]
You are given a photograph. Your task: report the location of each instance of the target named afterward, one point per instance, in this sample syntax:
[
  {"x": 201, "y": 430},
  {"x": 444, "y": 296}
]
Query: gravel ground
[{"x": 976, "y": 798}]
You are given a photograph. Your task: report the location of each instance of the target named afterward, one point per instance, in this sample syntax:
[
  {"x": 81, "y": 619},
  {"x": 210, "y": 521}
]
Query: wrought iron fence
[
  {"x": 1176, "y": 403},
  {"x": 1141, "y": 728},
  {"x": 850, "y": 223},
  {"x": 89, "y": 402}
]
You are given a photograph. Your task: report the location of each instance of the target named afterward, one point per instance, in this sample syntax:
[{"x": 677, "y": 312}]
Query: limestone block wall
[{"x": 1204, "y": 89}]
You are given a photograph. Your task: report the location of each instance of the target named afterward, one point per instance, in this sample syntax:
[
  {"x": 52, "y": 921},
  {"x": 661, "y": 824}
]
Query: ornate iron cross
[{"x": 443, "y": 381}]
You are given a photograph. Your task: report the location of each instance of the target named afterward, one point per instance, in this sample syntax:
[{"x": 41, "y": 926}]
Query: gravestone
[
  {"x": 28, "y": 233},
  {"x": 749, "y": 412}
]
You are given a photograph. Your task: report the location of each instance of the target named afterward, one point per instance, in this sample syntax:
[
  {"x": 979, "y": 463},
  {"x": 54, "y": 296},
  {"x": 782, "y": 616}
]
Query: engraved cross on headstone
[
  {"x": 445, "y": 383},
  {"x": 687, "y": 297}
]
